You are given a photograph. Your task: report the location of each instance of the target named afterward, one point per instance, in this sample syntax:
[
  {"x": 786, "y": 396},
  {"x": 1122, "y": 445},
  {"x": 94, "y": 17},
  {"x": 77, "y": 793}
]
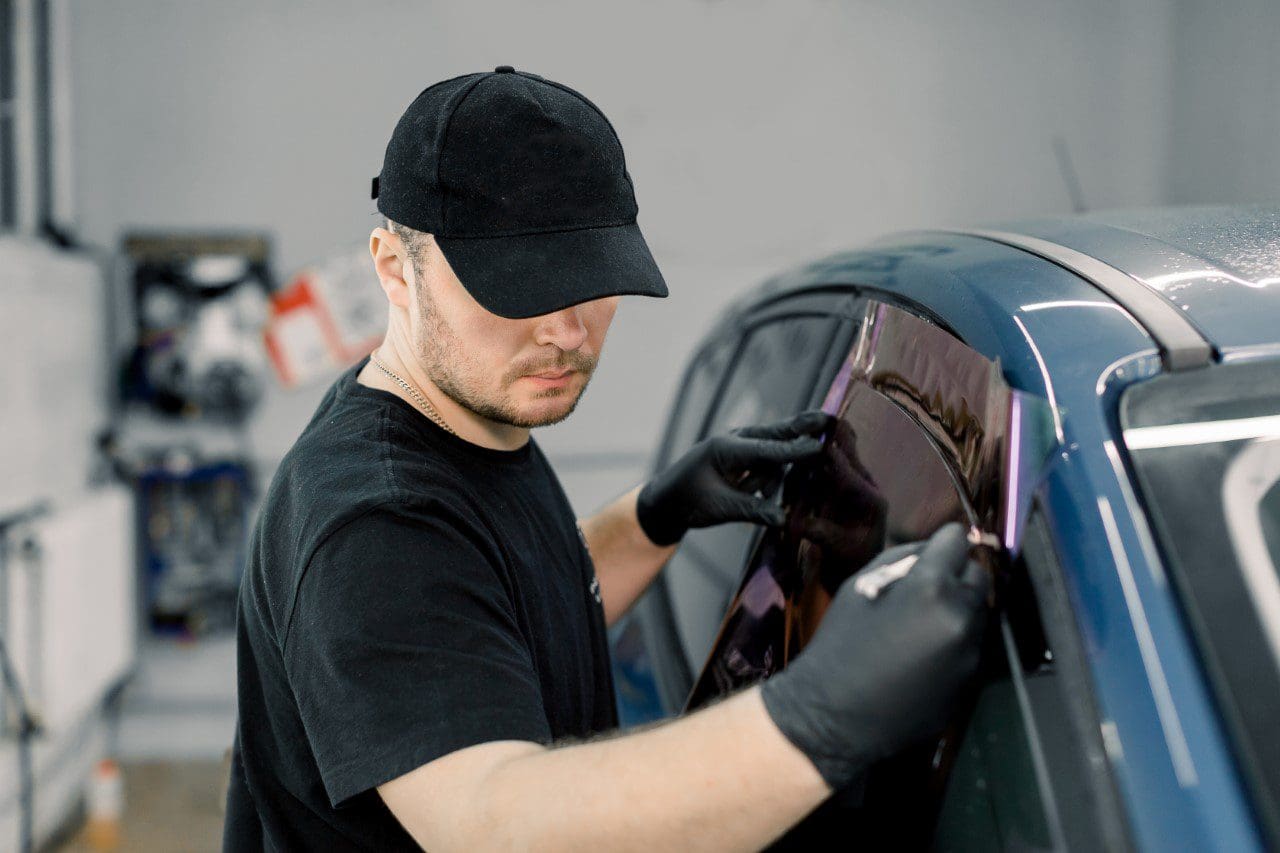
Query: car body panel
[
  {"x": 1167, "y": 747},
  {"x": 1219, "y": 265},
  {"x": 1059, "y": 337}
]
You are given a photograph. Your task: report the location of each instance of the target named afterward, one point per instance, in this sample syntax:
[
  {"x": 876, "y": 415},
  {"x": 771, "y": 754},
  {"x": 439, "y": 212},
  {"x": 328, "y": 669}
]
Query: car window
[
  {"x": 651, "y": 674},
  {"x": 919, "y": 440},
  {"x": 877, "y": 464},
  {"x": 922, "y": 439},
  {"x": 774, "y": 372},
  {"x": 1205, "y": 447},
  {"x": 697, "y": 394},
  {"x": 771, "y": 378}
]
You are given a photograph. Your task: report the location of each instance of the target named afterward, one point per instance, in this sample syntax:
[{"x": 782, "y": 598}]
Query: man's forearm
[
  {"x": 724, "y": 778},
  {"x": 626, "y": 561}
]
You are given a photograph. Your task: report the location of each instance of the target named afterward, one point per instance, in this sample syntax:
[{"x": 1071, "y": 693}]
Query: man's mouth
[{"x": 552, "y": 374}]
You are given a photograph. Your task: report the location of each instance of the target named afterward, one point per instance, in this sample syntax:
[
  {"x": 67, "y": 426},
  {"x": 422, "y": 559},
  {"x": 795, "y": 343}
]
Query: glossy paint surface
[
  {"x": 1219, "y": 265},
  {"x": 1059, "y": 338}
]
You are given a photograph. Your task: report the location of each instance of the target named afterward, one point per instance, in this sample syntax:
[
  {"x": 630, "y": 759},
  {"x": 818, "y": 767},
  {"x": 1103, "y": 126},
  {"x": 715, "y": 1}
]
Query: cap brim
[{"x": 532, "y": 274}]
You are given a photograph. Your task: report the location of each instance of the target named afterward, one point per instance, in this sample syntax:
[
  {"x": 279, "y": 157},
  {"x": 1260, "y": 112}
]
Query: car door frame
[{"x": 671, "y": 669}]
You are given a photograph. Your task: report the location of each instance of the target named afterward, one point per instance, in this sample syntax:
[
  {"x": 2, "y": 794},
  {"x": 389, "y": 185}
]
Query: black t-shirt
[{"x": 407, "y": 594}]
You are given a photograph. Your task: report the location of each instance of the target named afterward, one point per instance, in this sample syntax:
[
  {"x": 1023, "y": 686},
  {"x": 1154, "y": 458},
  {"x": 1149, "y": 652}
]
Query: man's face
[{"x": 525, "y": 373}]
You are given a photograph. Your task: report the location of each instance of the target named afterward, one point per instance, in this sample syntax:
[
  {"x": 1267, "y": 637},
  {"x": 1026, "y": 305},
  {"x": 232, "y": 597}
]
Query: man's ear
[{"x": 392, "y": 264}]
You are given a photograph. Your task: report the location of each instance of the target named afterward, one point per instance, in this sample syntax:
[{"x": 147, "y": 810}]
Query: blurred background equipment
[
  {"x": 194, "y": 369},
  {"x": 327, "y": 317},
  {"x": 199, "y": 304},
  {"x": 193, "y": 520}
]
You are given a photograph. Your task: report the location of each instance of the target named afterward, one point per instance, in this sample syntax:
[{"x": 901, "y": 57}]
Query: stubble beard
[{"x": 444, "y": 359}]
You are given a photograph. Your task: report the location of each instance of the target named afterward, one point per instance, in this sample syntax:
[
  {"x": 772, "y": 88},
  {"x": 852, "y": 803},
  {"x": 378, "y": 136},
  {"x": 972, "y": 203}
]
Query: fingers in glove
[
  {"x": 758, "y": 510},
  {"x": 812, "y": 423},
  {"x": 975, "y": 580},
  {"x": 738, "y": 450},
  {"x": 763, "y": 477},
  {"x": 944, "y": 554}
]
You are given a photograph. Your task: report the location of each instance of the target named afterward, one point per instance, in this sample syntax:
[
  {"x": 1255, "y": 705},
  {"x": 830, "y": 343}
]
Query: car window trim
[
  {"x": 1182, "y": 345},
  {"x": 662, "y": 457},
  {"x": 1062, "y": 633},
  {"x": 746, "y": 329},
  {"x": 657, "y": 600}
]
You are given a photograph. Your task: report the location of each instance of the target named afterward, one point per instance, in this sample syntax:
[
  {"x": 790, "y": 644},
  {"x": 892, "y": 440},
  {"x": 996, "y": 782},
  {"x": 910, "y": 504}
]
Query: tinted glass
[
  {"x": 880, "y": 482},
  {"x": 774, "y": 373},
  {"x": 771, "y": 379},
  {"x": 920, "y": 440},
  {"x": 700, "y": 384}
]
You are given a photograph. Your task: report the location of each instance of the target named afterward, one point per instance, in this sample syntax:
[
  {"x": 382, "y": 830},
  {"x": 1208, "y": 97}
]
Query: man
[{"x": 422, "y": 650}]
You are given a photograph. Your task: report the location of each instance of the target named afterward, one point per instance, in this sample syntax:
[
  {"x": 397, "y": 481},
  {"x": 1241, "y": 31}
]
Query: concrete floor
[{"x": 169, "y": 806}]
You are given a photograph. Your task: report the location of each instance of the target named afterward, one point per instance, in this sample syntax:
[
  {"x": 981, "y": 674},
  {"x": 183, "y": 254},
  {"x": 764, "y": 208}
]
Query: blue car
[{"x": 1099, "y": 397}]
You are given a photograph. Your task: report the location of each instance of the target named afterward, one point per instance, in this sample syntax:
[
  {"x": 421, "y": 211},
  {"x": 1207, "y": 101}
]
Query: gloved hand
[
  {"x": 716, "y": 480},
  {"x": 839, "y": 507},
  {"x": 881, "y": 674}
]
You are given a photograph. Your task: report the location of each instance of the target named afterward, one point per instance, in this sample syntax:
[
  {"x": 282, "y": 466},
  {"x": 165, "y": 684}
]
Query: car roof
[
  {"x": 1219, "y": 265},
  {"x": 1203, "y": 281}
]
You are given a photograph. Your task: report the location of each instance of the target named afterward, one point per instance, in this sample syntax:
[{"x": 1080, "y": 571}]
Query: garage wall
[
  {"x": 758, "y": 133},
  {"x": 1226, "y": 115}
]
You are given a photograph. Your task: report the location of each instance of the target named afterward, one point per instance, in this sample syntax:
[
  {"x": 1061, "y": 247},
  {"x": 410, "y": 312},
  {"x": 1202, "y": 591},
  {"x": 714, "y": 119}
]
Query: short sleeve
[{"x": 404, "y": 647}]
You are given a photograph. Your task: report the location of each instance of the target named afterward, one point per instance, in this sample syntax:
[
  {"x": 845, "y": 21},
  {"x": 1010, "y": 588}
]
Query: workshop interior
[{"x": 184, "y": 271}]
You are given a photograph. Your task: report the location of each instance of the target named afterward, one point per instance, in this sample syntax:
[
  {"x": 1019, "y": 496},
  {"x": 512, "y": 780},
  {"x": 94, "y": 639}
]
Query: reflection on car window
[
  {"x": 774, "y": 374},
  {"x": 695, "y": 398},
  {"x": 771, "y": 379},
  {"x": 1269, "y": 513},
  {"x": 1205, "y": 446}
]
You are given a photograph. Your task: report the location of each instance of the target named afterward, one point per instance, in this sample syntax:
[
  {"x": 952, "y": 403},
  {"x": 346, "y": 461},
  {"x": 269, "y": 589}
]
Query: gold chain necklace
[{"x": 412, "y": 391}]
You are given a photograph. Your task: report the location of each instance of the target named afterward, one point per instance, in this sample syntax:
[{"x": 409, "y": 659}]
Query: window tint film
[
  {"x": 920, "y": 440},
  {"x": 880, "y": 482}
]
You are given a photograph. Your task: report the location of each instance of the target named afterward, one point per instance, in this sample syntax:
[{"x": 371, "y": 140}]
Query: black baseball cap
[{"x": 522, "y": 182}]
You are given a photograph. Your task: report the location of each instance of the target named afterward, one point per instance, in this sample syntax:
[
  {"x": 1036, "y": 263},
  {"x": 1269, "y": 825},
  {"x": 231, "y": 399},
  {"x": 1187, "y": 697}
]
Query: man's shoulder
[{"x": 341, "y": 457}]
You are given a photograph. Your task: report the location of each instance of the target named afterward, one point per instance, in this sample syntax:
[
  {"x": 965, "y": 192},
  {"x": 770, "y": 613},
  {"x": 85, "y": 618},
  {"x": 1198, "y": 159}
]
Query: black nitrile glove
[
  {"x": 717, "y": 479},
  {"x": 881, "y": 674}
]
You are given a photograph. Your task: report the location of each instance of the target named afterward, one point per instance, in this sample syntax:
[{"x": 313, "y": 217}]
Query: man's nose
[{"x": 564, "y": 328}]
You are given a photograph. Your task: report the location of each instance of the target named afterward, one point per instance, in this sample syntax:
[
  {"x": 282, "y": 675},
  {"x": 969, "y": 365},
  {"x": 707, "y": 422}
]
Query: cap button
[{"x": 504, "y": 69}]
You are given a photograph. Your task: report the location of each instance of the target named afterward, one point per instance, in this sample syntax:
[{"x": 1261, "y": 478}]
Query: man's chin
[
  {"x": 545, "y": 411},
  {"x": 544, "y": 408}
]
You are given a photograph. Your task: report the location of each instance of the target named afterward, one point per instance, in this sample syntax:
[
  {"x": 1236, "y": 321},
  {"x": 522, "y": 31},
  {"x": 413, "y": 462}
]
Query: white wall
[
  {"x": 759, "y": 134},
  {"x": 1226, "y": 113}
]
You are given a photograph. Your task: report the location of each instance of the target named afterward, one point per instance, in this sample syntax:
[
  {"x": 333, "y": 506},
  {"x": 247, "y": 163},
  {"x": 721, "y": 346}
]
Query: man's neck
[{"x": 468, "y": 425}]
